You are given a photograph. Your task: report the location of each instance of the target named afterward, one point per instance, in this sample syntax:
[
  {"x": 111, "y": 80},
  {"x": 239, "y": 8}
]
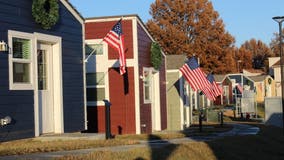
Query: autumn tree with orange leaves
[
  {"x": 259, "y": 52},
  {"x": 274, "y": 44},
  {"x": 193, "y": 27}
]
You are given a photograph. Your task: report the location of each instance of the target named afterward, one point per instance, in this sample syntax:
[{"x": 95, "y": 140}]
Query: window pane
[
  {"x": 147, "y": 93},
  {"x": 95, "y": 78},
  {"x": 147, "y": 84},
  {"x": 42, "y": 70},
  {"x": 95, "y": 94},
  {"x": 21, "y": 72},
  {"x": 97, "y": 47},
  {"x": 21, "y": 48}
]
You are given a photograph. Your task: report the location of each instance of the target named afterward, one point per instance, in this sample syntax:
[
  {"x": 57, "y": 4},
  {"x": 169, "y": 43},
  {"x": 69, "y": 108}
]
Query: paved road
[{"x": 238, "y": 129}]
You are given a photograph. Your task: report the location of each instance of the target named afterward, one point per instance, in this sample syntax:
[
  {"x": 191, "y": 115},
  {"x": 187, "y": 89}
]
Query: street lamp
[{"x": 279, "y": 20}]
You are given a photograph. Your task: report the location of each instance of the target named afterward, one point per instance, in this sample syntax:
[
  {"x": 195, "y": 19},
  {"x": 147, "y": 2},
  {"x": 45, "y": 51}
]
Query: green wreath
[
  {"x": 45, "y": 12},
  {"x": 156, "y": 55}
]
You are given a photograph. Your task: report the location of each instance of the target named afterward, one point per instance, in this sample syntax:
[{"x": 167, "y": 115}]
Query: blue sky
[{"x": 243, "y": 19}]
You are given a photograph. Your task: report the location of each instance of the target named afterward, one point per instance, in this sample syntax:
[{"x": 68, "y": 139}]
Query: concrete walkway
[{"x": 238, "y": 129}]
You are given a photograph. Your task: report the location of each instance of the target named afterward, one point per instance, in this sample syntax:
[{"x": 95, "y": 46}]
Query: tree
[
  {"x": 260, "y": 53},
  {"x": 243, "y": 59},
  {"x": 274, "y": 44},
  {"x": 192, "y": 27}
]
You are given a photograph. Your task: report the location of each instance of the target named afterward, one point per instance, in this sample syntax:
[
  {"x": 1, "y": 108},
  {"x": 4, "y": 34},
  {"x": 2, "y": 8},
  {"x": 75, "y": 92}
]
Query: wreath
[
  {"x": 45, "y": 12},
  {"x": 269, "y": 80},
  {"x": 156, "y": 55}
]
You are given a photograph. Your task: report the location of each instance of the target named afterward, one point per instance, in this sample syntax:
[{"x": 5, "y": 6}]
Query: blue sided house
[{"x": 41, "y": 69}]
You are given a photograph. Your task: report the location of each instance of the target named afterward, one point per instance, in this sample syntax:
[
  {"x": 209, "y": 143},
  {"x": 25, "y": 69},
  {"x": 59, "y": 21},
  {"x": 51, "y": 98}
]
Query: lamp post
[{"x": 279, "y": 20}]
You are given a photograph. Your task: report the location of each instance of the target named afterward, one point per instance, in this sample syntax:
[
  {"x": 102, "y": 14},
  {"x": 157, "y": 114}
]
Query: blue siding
[{"x": 16, "y": 15}]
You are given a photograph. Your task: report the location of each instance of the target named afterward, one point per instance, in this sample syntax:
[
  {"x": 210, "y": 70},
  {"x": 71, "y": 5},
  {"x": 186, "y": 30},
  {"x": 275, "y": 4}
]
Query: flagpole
[{"x": 86, "y": 60}]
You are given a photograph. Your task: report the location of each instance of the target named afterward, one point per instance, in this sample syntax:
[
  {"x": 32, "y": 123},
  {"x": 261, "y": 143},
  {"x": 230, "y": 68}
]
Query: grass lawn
[
  {"x": 268, "y": 144},
  {"x": 27, "y": 146}
]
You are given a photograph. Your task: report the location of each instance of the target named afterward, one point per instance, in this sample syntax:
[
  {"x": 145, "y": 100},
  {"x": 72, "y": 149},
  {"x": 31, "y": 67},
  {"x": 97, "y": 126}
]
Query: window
[
  {"x": 185, "y": 92},
  {"x": 147, "y": 86},
  {"x": 96, "y": 48},
  {"x": 20, "y": 60},
  {"x": 95, "y": 87}
]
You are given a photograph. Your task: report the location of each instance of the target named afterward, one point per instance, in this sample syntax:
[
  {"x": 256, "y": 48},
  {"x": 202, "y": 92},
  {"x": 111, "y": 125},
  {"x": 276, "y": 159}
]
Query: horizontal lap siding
[
  {"x": 98, "y": 30},
  {"x": 163, "y": 95},
  {"x": 16, "y": 15},
  {"x": 123, "y": 103},
  {"x": 144, "y": 45},
  {"x": 144, "y": 54},
  {"x": 73, "y": 85},
  {"x": 122, "y": 110}
]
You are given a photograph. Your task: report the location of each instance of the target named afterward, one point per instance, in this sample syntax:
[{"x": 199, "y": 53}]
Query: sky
[{"x": 243, "y": 19}]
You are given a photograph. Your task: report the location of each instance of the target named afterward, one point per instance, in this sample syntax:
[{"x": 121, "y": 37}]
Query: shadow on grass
[{"x": 160, "y": 149}]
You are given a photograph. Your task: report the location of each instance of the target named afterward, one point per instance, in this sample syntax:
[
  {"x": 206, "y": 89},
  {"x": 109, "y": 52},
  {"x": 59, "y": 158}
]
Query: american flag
[
  {"x": 215, "y": 88},
  {"x": 240, "y": 88},
  {"x": 208, "y": 92},
  {"x": 194, "y": 75},
  {"x": 115, "y": 39}
]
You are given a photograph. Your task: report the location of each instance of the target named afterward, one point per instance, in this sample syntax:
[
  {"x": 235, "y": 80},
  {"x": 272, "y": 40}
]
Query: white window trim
[
  {"x": 99, "y": 62},
  {"x": 97, "y": 41},
  {"x": 20, "y": 86},
  {"x": 147, "y": 101},
  {"x": 94, "y": 103}
]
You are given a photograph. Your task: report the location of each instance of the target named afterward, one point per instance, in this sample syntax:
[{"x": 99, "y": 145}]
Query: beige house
[
  {"x": 274, "y": 71},
  {"x": 264, "y": 86},
  {"x": 180, "y": 100}
]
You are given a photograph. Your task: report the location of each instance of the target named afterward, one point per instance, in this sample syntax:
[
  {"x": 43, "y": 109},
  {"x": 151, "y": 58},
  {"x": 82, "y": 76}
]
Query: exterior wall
[
  {"x": 277, "y": 79},
  {"x": 122, "y": 110},
  {"x": 270, "y": 87},
  {"x": 128, "y": 111},
  {"x": 98, "y": 30},
  {"x": 144, "y": 45},
  {"x": 121, "y": 88},
  {"x": 260, "y": 91},
  {"x": 122, "y": 98},
  {"x": 19, "y": 104},
  {"x": 173, "y": 101},
  {"x": 163, "y": 95}
]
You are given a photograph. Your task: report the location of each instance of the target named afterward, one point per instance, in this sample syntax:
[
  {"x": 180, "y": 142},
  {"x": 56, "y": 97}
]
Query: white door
[{"x": 45, "y": 88}]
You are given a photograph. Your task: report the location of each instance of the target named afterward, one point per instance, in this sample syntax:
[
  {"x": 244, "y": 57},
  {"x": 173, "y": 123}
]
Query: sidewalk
[{"x": 238, "y": 129}]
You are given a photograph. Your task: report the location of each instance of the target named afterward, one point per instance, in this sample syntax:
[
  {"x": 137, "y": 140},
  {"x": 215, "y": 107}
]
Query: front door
[{"x": 45, "y": 88}]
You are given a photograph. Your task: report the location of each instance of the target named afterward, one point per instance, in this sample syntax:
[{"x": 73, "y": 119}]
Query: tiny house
[
  {"x": 41, "y": 70},
  {"x": 138, "y": 98},
  {"x": 180, "y": 97}
]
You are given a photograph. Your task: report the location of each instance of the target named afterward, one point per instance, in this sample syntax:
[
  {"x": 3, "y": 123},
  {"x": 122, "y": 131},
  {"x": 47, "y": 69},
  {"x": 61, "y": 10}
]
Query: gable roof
[
  {"x": 219, "y": 78},
  {"x": 259, "y": 78},
  {"x": 175, "y": 61},
  {"x": 277, "y": 64},
  {"x": 73, "y": 10},
  {"x": 117, "y": 17}
]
